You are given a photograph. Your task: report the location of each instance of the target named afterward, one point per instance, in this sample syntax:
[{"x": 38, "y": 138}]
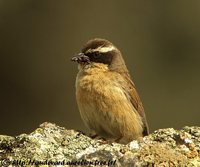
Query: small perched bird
[{"x": 107, "y": 98}]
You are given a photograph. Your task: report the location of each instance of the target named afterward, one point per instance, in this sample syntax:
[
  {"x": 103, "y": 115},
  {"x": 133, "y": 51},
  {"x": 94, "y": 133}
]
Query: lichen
[{"x": 51, "y": 145}]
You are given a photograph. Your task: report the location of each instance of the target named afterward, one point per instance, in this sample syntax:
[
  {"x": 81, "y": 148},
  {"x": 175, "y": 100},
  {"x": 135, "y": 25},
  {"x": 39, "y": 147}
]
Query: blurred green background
[{"x": 160, "y": 41}]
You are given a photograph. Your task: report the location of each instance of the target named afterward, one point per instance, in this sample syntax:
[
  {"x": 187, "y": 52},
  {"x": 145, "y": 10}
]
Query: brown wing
[{"x": 136, "y": 102}]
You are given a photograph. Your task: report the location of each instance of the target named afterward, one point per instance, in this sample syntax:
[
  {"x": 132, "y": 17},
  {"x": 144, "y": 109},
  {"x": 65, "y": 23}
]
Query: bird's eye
[{"x": 96, "y": 55}]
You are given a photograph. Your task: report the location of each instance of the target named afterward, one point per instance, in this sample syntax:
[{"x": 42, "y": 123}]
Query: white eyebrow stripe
[{"x": 102, "y": 49}]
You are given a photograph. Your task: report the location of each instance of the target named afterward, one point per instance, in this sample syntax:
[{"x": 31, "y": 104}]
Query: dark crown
[
  {"x": 99, "y": 50},
  {"x": 95, "y": 43}
]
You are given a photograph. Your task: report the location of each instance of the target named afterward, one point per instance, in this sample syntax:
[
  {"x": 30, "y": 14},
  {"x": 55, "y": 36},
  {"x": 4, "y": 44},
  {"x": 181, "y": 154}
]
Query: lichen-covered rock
[{"x": 51, "y": 145}]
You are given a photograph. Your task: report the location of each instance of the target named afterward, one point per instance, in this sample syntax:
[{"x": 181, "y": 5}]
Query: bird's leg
[{"x": 93, "y": 135}]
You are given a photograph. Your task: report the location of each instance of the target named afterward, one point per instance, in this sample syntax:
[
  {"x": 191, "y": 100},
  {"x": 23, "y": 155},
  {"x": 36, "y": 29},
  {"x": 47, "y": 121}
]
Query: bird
[{"x": 106, "y": 96}]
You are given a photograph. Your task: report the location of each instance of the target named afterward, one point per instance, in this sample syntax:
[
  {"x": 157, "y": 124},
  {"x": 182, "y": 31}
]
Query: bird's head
[{"x": 101, "y": 51}]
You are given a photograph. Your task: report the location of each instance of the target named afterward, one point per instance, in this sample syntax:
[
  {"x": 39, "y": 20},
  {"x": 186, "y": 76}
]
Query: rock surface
[{"x": 51, "y": 145}]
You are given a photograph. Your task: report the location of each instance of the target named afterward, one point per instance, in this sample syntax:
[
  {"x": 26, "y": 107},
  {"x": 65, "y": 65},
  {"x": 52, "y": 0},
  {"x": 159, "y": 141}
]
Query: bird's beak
[{"x": 80, "y": 58}]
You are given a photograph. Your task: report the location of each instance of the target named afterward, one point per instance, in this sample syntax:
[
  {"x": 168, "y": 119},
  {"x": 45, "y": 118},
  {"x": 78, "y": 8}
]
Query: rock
[{"x": 51, "y": 145}]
